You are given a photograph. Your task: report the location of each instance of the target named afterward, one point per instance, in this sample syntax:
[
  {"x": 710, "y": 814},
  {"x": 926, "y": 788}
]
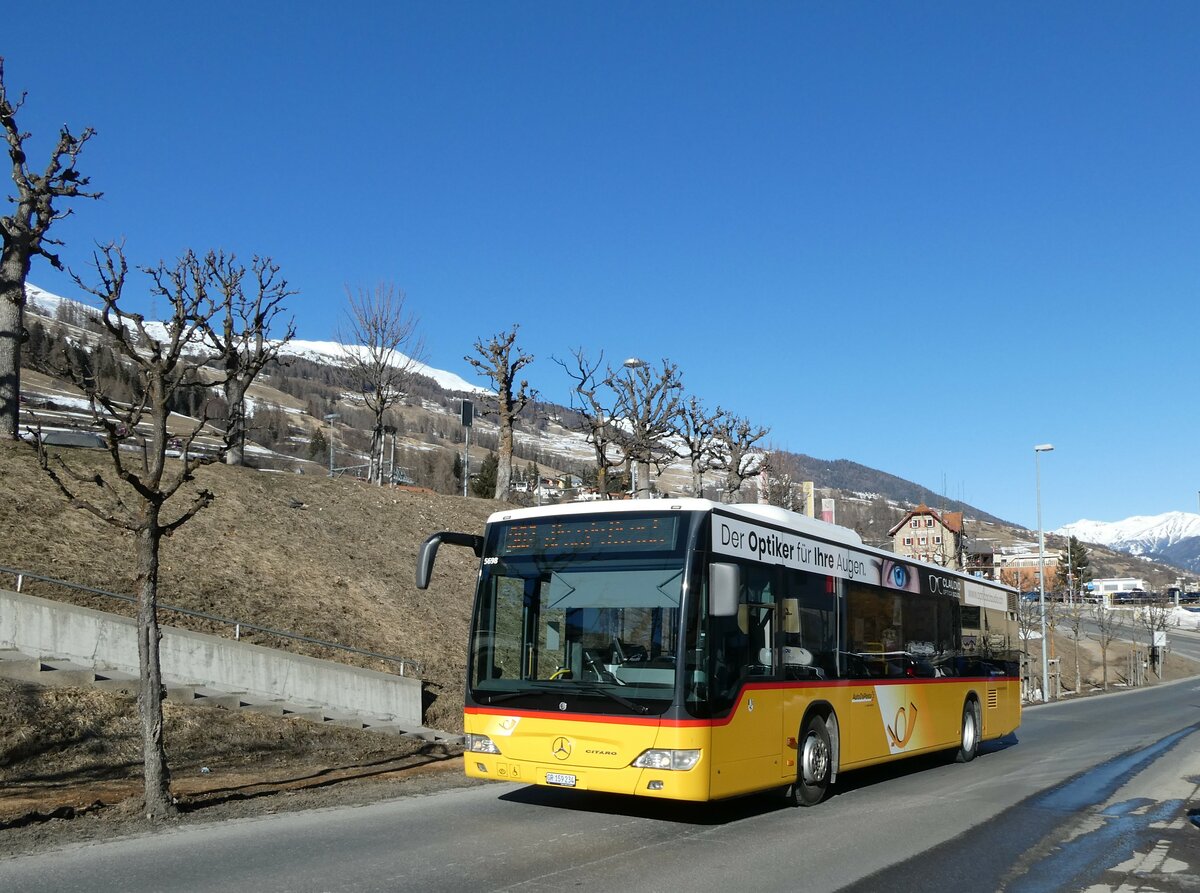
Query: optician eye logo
[
  {"x": 561, "y": 748},
  {"x": 895, "y": 575}
]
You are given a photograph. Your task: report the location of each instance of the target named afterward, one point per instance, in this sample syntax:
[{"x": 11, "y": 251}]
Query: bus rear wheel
[
  {"x": 815, "y": 764},
  {"x": 969, "y": 740}
]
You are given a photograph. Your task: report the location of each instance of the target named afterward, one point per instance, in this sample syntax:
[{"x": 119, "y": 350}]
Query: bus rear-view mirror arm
[{"x": 429, "y": 549}]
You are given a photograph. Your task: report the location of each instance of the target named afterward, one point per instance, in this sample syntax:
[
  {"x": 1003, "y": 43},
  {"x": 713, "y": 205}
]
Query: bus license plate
[{"x": 560, "y": 779}]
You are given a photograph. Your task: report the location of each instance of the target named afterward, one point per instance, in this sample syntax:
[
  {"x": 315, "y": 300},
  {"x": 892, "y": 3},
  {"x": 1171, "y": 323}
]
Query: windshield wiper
[
  {"x": 532, "y": 687},
  {"x": 565, "y": 688},
  {"x": 620, "y": 699}
]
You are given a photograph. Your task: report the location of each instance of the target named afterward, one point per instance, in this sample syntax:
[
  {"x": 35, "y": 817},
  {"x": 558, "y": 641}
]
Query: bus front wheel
[
  {"x": 815, "y": 758},
  {"x": 969, "y": 741}
]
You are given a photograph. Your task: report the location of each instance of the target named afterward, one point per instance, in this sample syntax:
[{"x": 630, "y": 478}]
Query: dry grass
[
  {"x": 69, "y": 734},
  {"x": 72, "y": 752}
]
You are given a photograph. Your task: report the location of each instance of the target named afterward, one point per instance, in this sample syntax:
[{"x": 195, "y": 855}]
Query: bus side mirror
[
  {"x": 428, "y": 552},
  {"x": 724, "y": 586}
]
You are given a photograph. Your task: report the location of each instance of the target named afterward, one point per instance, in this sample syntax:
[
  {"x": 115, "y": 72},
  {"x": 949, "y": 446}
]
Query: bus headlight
[
  {"x": 677, "y": 760},
  {"x": 481, "y": 744}
]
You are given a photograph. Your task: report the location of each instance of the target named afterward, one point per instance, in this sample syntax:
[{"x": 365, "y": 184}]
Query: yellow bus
[{"x": 688, "y": 650}]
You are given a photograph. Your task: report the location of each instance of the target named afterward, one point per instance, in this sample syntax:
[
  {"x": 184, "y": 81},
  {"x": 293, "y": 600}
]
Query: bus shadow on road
[
  {"x": 865, "y": 778},
  {"x": 720, "y": 812},
  {"x": 724, "y": 812}
]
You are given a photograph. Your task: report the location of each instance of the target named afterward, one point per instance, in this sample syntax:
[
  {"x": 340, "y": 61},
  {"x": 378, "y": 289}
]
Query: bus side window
[
  {"x": 756, "y": 616},
  {"x": 743, "y": 645},
  {"x": 809, "y": 616}
]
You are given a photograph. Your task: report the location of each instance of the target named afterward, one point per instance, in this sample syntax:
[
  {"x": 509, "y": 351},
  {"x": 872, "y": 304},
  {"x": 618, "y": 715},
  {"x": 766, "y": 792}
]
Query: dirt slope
[{"x": 329, "y": 559}]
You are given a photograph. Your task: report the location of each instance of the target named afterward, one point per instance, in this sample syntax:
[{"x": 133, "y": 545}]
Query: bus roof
[{"x": 750, "y": 511}]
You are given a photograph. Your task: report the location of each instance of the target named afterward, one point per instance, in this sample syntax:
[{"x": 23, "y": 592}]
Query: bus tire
[
  {"x": 968, "y": 745},
  {"x": 815, "y": 764}
]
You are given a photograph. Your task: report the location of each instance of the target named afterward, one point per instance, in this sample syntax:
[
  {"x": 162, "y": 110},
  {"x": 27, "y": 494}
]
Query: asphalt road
[{"x": 1008, "y": 821}]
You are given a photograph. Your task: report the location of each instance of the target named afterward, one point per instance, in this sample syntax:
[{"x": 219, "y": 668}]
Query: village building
[
  {"x": 926, "y": 534},
  {"x": 1019, "y": 569}
]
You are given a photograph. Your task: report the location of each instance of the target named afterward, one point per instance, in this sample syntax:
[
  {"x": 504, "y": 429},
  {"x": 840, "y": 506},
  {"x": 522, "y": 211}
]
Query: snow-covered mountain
[
  {"x": 47, "y": 304},
  {"x": 1172, "y": 537}
]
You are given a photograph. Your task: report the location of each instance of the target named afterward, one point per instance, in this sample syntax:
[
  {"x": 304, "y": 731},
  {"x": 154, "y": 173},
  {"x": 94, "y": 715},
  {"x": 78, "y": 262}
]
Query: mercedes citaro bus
[{"x": 689, "y": 650}]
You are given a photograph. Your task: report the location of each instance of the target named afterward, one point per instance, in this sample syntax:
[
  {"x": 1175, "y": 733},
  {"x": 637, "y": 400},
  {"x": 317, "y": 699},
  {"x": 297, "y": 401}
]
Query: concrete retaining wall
[{"x": 93, "y": 638}]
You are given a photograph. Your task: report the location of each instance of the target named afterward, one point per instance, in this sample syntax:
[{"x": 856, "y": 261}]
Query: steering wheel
[{"x": 618, "y": 651}]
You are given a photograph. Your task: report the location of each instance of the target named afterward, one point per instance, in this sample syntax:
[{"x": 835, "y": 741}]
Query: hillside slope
[{"x": 328, "y": 559}]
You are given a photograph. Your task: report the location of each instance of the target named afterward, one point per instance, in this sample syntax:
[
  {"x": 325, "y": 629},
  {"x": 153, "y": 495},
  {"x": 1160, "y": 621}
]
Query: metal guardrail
[{"x": 238, "y": 625}]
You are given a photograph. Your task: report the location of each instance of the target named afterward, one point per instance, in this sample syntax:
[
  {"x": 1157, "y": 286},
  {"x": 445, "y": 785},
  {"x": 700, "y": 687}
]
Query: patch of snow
[{"x": 332, "y": 353}]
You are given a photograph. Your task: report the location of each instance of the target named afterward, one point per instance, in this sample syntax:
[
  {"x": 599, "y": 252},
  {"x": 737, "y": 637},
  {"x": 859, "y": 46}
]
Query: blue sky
[{"x": 922, "y": 236}]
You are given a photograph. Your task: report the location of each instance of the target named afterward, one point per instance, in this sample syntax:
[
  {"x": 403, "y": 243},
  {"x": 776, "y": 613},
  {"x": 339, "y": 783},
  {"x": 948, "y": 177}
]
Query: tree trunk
[
  {"x": 643, "y": 471},
  {"x": 1078, "y": 677},
  {"x": 504, "y": 457},
  {"x": 235, "y": 399},
  {"x": 375, "y": 467},
  {"x": 12, "y": 308},
  {"x": 156, "y": 774}
]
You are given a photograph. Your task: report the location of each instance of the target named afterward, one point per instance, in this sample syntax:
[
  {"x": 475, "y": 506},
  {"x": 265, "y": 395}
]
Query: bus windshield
[{"x": 586, "y": 606}]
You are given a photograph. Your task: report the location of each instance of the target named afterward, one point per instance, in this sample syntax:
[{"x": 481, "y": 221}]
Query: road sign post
[{"x": 468, "y": 417}]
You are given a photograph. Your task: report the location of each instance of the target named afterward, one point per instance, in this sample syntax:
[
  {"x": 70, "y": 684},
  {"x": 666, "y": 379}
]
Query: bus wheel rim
[
  {"x": 815, "y": 760},
  {"x": 969, "y": 733}
]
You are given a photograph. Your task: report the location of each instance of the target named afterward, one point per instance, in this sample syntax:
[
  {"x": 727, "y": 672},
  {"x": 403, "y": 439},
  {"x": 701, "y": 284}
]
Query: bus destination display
[{"x": 620, "y": 534}]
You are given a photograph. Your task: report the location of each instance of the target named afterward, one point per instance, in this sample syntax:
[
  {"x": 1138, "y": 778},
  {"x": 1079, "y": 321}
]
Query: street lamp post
[
  {"x": 1037, "y": 462},
  {"x": 329, "y": 417}
]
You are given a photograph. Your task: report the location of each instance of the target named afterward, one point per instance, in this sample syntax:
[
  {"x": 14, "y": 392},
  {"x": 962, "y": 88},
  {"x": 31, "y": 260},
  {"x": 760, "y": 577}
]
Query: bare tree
[
  {"x": 383, "y": 350},
  {"x": 736, "y": 455},
  {"x": 242, "y": 335},
  {"x": 134, "y": 495},
  {"x": 696, "y": 428},
  {"x": 1072, "y": 615},
  {"x": 497, "y": 362},
  {"x": 1154, "y": 619},
  {"x": 25, "y": 236},
  {"x": 647, "y": 403},
  {"x": 1109, "y": 626},
  {"x": 1029, "y": 620},
  {"x": 588, "y": 393},
  {"x": 1053, "y": 611}
]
